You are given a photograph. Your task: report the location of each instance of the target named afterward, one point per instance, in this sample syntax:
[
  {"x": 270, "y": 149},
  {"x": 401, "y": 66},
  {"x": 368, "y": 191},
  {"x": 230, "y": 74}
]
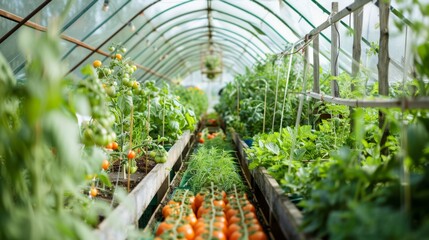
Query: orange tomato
[
  {"x": 210, "y": 136},
  {"x": 201, "y": 140},
  {"x": 231, "y": 212},
  {"x": 93, "y": 192},
  {"x": 219, "y": 203},
  {"x": 187, "y": 231},
  {"x": 199, "y": 199},
  {"x": 109, "y": 146},
  {"x": 234, "y": 219},
  {"x": 97, "y": 63},
  {"x": 163, "y": 226},
  {"x": 258, "y": 235},
  {"x": 249, "y": 207},
  {"x": 118, "y": 56},
  {"x": 235, "y": 236},
  {"x": 105, "y": 164},
  {"x": 233, "y": 228},
  {"x": 191, "y": 218},
  {"x": 115, "y": 146},
  {"x": 131, "y": 154},
  {"x": 254, "y": 227},
  {"x": 219, "y": 235}
]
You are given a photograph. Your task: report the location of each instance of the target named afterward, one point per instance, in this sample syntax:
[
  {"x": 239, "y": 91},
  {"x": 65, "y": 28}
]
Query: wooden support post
[
  {"x": 357, "y": 52},
  {"x": 357, "y": 46},
  {"x": 383, "y": 65},
  {"x": 316, "y": 65},
  {"x": 334, "y": 52}
]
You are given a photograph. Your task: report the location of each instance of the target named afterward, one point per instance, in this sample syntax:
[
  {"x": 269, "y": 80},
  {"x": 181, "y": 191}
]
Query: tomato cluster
[{"x": 211, "y": 214}]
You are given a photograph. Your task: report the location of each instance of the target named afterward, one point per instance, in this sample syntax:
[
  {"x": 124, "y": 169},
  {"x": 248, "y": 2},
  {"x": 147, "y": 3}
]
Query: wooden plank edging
[
  {"x": 128, "y": 212},
  {"x": 286, "y": 213}
]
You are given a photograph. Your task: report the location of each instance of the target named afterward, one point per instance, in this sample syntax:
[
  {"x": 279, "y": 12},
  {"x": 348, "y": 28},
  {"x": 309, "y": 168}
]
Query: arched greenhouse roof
[{"x": 168, "y": 39}]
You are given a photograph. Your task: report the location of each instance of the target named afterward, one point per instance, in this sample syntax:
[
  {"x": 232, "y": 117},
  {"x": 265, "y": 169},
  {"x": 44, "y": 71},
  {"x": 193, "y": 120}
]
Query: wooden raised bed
[
  {"x": 128, "y": 212},
  {"x": 282, "y": 215}
]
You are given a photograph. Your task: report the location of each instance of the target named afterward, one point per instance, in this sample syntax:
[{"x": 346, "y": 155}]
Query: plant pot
[{"x": 249, "y": 142}]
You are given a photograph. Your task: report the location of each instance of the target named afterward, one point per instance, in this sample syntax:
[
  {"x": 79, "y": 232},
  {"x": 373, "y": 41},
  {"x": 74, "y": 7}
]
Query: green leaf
[
  {"x": 104, "y": 178},
  {"x": 273, "y": 148}
]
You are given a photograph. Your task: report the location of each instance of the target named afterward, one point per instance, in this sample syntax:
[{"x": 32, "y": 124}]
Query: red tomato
[{"x": 201, "y": 140}]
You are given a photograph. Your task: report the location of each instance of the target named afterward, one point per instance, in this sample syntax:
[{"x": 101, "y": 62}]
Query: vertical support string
[
  {"x": 286, "y": 87},
  {"x": 275, "y": 99},
  {"x": 301, "y": 103}
]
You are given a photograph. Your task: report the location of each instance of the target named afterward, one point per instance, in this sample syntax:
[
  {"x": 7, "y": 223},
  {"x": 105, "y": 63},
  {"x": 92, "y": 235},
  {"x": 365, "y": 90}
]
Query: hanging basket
[{"x": 211, "y": 64}]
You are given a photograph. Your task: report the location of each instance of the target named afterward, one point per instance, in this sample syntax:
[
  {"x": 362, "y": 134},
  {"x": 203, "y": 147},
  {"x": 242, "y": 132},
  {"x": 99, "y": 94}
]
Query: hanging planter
[{"x": 211, "y": 64}]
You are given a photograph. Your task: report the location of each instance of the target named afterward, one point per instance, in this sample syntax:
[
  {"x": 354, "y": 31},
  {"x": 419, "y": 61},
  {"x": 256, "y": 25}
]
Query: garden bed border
[
  {"x": 127, "y": 213},
  {"x": 283, "y": 216}
]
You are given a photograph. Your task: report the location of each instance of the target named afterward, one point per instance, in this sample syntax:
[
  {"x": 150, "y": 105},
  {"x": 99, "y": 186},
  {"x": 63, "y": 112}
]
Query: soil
[{"x": 116, "y": 176}]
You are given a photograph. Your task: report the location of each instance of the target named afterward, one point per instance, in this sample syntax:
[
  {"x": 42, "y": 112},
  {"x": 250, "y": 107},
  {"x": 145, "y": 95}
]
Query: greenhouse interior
[{"x": 214, "y": 119}]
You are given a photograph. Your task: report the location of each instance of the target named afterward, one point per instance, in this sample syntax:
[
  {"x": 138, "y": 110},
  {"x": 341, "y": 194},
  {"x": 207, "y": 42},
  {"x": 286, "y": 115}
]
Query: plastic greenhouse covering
[
  {"x": 170, "y": 36},
  {"x": 293, "y": 119}
]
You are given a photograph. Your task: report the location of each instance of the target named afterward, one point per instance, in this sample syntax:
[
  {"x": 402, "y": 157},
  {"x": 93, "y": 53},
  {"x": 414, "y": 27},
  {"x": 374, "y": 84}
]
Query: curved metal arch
[
  {"x": 244, "y": 49},
  {"x": 262, "y": 20},
  {"x": 191, "y": 49},
  {"x": 215, "y": 10},
  {"x": 194, "y": 68},
  {"x": 190, "y": 52},
  {"x": 181, "y": 65},
  {"x": 153, "y": 57},
  {"x": 189, "y": 20},
  {"x": 165, "y": 50},
  {"x": 177, "y": 69},
  {"x": 199, "y": 44},
  {"x": 216, "y": 29}
]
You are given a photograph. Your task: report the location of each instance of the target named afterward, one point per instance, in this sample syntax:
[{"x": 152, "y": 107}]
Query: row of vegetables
[
  {"x": 220, "y": 209},
  {"x": 346, "y": 173},
  {"x": 72, "y": 147}
]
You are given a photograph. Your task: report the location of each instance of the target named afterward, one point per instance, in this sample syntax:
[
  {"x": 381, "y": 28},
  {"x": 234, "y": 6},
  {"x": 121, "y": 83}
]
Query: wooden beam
[
  {"x": 412, "y": 103},
  {"x": 24, "y": 20},
  {"x": 337, "y": 17},
  {"x": 335, "y": 91},
  {"x": 357, "y": 43},
  {"x": 33, "y": 25},
  {"x": 383, "y": 67},
  {"x": 357, "y": 52}
]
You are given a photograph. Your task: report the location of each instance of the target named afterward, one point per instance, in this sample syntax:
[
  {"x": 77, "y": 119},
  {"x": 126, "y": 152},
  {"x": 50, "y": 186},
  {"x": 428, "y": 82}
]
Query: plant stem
[
  {"x": 131, "y": 146},
  {"x": 148, "y": 130}
]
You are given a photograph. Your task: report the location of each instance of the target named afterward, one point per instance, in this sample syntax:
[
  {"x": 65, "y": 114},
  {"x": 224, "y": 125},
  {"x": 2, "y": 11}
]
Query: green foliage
[
  {"x": 192, "y": 98},
  {"x": 251, "y": 88},
  {"x": 213, "y": 165},
  {"x": 42, "y": 168}
]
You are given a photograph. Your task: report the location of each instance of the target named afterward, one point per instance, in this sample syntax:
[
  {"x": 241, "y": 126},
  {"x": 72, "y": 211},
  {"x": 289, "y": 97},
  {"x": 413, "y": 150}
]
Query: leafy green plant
[
  {"x": 250, "y": 100},
  {"x": 192, "y": 98},
  {"x": 42, "y": 168},
  {"x": 212, "y": 165}
]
